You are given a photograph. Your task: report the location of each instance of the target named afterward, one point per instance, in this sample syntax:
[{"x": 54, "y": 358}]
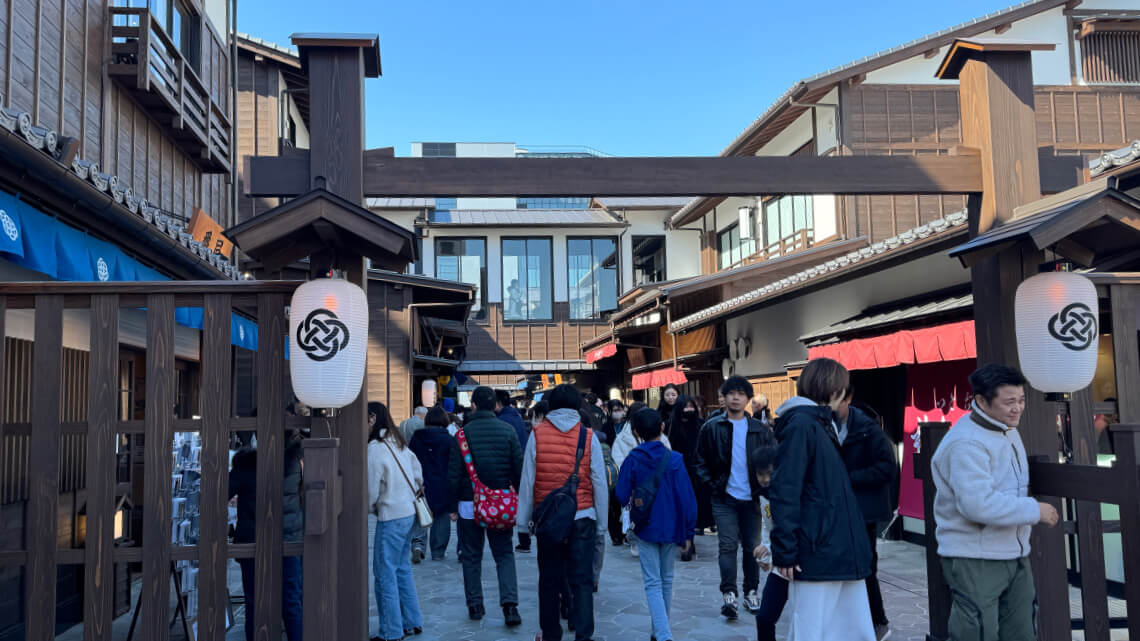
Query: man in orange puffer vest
[{"x": 547, "y": 464}]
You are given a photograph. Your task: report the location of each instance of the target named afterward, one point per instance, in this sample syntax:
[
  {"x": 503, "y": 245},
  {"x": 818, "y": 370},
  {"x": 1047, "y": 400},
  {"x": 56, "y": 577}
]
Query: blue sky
[{"x": 628, "y": 77}]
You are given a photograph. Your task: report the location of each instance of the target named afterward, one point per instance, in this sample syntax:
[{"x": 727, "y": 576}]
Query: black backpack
[
  {"x": 553, "y": 519},
  {"x": 642, "y": 497}
]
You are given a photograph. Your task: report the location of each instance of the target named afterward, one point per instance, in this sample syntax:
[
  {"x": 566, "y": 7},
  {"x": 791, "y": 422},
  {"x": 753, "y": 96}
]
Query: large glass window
[
  {"x": 731, "y": 248},
  {"x": 593, "y": 276},
  {"x": 527, "y": 288},
  {"x": 788, "y": 224},
  {"x": 175, "y": 19},
  {"x": 464, "y": 260}
]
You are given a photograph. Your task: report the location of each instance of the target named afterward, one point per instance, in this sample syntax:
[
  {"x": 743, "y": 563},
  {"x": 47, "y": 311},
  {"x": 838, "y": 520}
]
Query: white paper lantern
[
  {"x": 427, "y": 393},
  {"x": 328, "y": 337},
  {"x": 1057, "y": 331}
]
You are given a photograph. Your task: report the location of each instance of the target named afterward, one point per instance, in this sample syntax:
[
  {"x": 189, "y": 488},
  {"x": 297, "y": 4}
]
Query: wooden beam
[
  {"x": 1075, "y": 252},
  {"x": 1002, "y": 28},
  {"x": 102, "y": 416},
  {"x": 386, "y": 176},
  {"x": 856, "y": 80},
  {"x": 266, "y": 606},
  {"x": 931, "y": 53},
  {"x": 1125, "y": 300},
  {"x": 42, "y": 520}
]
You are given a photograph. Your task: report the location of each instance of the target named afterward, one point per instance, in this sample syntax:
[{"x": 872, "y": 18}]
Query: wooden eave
[
  {"x": 962, "y": 49},
  {"x": 319, "y": 221},
  {"x": 368, "y": 43}
]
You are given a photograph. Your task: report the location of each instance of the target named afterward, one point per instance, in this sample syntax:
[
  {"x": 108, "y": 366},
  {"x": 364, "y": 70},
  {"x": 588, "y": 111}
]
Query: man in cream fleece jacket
[{"x": 984, "y": 513}]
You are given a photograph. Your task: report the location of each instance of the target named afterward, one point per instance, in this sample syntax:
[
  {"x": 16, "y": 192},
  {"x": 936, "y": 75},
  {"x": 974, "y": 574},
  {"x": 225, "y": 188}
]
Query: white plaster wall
[
  {"x": 826, "y": 130},
  {"x": 682, "y": 248},
  {"x": 793, "y": 137},
  {"x": 291, "y": 105},
  {"x": 825, "y": 219},
  {"x": 1049, "y": 67},
  {"x": 775, "y": 330}
]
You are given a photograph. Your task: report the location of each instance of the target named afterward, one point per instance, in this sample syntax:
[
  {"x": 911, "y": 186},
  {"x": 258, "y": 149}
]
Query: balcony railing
[
  {"x": 148, "y": 64},
  {"x": 798, "y": 241}
]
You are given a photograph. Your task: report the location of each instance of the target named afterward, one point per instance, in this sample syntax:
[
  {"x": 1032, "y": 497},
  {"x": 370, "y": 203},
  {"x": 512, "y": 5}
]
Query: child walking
[
  {"x": 658, "y": 483},
  {"x": 762, "y": 460}
]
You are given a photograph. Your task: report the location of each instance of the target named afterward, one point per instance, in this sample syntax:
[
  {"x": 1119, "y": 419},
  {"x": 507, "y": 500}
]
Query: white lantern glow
[
  {"x": 1057, "y": 325},
  {"x": 427, "y": 393},
  {"x": 328, "y": 337}
]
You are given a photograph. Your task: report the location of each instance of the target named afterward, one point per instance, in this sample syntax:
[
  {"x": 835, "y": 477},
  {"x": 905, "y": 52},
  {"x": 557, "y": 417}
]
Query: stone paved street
[{"x": 621, "y": 613}]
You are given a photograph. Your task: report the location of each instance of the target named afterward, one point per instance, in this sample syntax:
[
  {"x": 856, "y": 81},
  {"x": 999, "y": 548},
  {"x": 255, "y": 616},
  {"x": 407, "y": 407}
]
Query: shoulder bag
[
  {"x": 494, "y": 509},
  {"x": 423, "y": 512}
]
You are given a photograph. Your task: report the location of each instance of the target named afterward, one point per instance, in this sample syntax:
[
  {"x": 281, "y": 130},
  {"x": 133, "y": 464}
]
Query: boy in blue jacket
[{"x": 672, "y": 515}]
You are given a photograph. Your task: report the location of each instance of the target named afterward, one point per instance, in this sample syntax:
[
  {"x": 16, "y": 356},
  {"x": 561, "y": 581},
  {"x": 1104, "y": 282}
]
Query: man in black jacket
[
  {"x": 723, "y": 445},
  {"x": 497, "y": 457},
  {"x": 870, "y": 460}
]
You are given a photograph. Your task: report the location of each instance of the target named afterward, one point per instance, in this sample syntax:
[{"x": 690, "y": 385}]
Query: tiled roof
[
  {"x": 524, "y": 366},
  {"x": 400, "y": 203},
  {"x": 289, "y": 51},
  {"x": 898, "y": 315},
  {"x": 921, "y": 234},
  {"x": 525, "y": 218},
  {"x": 47, "y": 140},
  {"x": 1114, "y": 159}
]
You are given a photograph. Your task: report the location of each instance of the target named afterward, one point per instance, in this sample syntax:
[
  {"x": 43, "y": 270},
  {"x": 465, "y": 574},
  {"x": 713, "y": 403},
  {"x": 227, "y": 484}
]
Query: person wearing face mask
[
  {"x": 615, "y": 421},
  {"x": 683, "y": 428}
]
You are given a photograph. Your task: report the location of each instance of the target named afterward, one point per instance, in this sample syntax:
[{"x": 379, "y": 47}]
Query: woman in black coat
[
  {"x": 432, "y": 446},
  {"x": 683, "y": 428},
  {"x": 819, "y": 542}
]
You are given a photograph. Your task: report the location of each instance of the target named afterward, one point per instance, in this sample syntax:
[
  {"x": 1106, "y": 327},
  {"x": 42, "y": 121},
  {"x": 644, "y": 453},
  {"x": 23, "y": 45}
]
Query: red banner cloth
[
  {"x": 598, "y": 353},
  {"x": 948, "y": 342},
  {"x": 659, "y": 378}
]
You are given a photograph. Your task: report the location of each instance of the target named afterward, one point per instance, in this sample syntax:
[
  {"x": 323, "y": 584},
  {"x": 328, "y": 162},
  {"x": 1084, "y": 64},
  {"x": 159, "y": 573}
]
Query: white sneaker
[
  {"x": 728, "y": 610},
  {"x": 752, "y": 601},
  {"x": 633, "y": 551}
]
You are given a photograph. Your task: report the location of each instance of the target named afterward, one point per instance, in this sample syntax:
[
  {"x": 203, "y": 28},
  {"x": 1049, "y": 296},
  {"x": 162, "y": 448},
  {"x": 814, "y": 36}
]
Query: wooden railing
[
  {"x": 49, "y": 425},
  {"x": 798, "y": 241},
  {"x": 153, "y": 68}
]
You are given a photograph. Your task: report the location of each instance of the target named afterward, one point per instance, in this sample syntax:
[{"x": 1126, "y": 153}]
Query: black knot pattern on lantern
[
  {"x": 322, "y": 335},
  {"x": 1074, "y": 326}
]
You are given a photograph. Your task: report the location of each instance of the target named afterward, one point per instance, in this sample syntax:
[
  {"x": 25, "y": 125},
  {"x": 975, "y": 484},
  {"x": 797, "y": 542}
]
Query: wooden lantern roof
[
  {"x": 369, "y": 43},
  {"x": 962, "y": 49},
  {"x": 322, "y": 221}
]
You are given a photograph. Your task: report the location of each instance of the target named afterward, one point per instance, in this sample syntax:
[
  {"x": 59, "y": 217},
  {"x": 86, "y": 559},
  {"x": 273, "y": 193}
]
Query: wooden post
[
  {"x": 937, "y": 590},
  {"x": 1127, "y": 442},
  {"x": 996, "y": 94},
  {"x": 1090, "y": 528},
  {"x": 102, "y": 417},
  {"x": 322, "y": 506},
  {"x": 337, "y": 68},
  {"x": 270, "y": 465}
]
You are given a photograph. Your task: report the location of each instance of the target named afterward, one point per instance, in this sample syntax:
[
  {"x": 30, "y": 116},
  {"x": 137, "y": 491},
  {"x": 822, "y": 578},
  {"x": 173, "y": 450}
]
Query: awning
[
  {"x": 948, "y": 342},
  {"x": 605, "y": 351},
  {"x": 63, "y": 252},
  {"x": 659, "y": 378}
]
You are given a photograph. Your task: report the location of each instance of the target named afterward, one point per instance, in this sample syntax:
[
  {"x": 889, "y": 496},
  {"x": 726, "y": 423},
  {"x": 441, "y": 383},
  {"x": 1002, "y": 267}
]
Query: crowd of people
[{"x": 795, "y": 494}]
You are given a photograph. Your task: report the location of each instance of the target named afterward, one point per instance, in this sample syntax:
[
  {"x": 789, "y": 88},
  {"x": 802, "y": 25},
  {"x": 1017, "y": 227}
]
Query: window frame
[
  {"x": 503, "y": 280},
  {"x": 481, "y": 316},
  {"x": 1079, "y": 51},
  {"x": 597, "y": 316},
  {"x": 740, "y": 244},
  {"x": 775, "y": 203},
  {"x": 664, "y": 257}
]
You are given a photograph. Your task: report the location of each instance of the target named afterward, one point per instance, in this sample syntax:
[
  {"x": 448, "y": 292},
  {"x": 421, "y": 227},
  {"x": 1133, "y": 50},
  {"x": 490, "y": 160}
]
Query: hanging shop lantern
[
  {"x": 328, "y": 337},
  {"x": 427, "y": 393},
  {"x": 1057, "y": 329}
]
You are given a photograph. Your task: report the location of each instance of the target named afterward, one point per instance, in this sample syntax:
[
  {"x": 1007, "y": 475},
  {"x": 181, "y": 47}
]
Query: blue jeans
[
  {"x": 657, "y": 561},
  {"x": 396, "y": 600},
  {"x": 291, "y": 591}
]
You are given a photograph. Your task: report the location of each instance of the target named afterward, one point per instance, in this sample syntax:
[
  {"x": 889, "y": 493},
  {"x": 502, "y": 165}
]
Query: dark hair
[
  {"x": 384, "y": 422},
  {"x": 484, "y": 399},
  {"x": 849, "y": 393},
  {"x": 541, "y": 407},
  {"x": 986, "y": 380},
  {"x": 437, "y": 417},
  {"x": 646, "y": 424},
  {"x": 503, "y": 397},
  {"x": 587, "y": 417},
  {"x": 565, "y": 397},
  {"x": 636, "y": 407},
  {"x": 614, "y": 404},
  {"x": 762, "y": 458},
  {"x": 736, "y": 384},
  {"x": 822, "y": 379},
  {"x": 678, "y": 414},
  {"x": 591, "y": 398}
]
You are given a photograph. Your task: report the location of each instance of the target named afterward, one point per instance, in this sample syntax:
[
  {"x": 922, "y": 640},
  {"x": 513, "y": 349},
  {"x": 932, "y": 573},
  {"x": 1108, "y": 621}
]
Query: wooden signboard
[{"x": 208, "y": 232}]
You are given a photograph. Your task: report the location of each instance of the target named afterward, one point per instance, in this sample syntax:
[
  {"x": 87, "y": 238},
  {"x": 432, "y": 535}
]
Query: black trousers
[
  {"x": 874, "y": 594},
  {"x": 573, "y": 562},
  {"x": 772, "y": 604}
]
